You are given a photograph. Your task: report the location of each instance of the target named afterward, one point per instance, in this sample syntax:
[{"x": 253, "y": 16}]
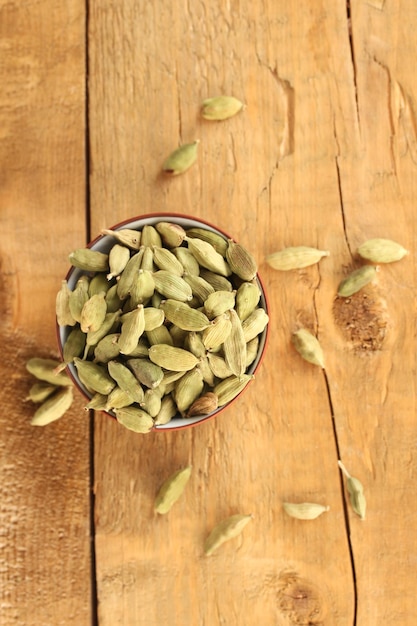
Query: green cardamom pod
[
  {"x": 171, "y": 490},
  {"x": 54, "y": 407},
  {"x": 308, "y": 347},
  {"x": 356, "y": 280},
  {"x": 220, "y": 107},
  {"x": 224, "y": 531},
  {"x": 181, "y": 159}
]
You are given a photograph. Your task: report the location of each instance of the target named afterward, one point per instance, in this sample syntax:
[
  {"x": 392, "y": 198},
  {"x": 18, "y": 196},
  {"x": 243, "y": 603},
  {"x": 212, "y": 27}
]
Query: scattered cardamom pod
[
  {"x": 308, "y": 347},
  {"x": 54, "y": 407},
  {"x": 227, "y": 529},
  {"x": 382, "y": 251},
  {"x": 304, "y": 510},
  {"x": 181, "y": 159},
  {"x": 356, "y": 494},
  {"x": 46, "y": 370},
  {"x": 295, "y": 257},
  {"x": 356, "y": 280},
  {"x": 171, "y": 490},
  {"x": 220, "y": 107}
]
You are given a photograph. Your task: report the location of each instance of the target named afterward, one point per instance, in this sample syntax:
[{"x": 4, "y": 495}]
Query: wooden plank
[
  {"x": 324, "y": 155},
  {"x": 44, "y": 493},
  {"x": 372, "y": 374}
]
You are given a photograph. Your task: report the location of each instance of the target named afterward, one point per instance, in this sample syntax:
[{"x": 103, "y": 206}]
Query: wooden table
[{"x": 94, "y": 96}]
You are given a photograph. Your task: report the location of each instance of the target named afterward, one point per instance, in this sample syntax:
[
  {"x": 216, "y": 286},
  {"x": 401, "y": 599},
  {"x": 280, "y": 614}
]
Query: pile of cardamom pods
[{"x": 166, "y": 324}]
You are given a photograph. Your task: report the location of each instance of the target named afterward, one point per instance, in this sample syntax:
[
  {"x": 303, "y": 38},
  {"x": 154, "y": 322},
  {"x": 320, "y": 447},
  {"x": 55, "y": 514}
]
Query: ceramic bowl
[{"x": 104, "y": 243}]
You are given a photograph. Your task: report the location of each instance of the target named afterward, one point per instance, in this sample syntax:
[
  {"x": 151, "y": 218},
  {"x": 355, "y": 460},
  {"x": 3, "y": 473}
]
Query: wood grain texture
[{"x": 44, "y": 492}]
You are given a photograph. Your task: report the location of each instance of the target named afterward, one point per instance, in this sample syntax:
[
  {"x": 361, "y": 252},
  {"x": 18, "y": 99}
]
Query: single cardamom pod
[
  {"x": 255, "y": 324},
  {"x": 154, "y": 317},
  {"x": 40, "y": 391},
  {"x": 134, "y": 419},
  {"x": 172, "y": 234},
  {"x": 78, "y": 298},
  {"x": 107, "y": 348},
  {"x": 219, "y": 283},
  {"x": 205, "y": 404},
  {"x": 304, "y": 510},
  {"x": 129, "y": 274},
  {"x": 188, "y": 388},
  {"x": 172, "y": 358},
  {"x": 113, "y": 301},
  {"x": 356, "y": 280},
  {"x": 166, "y": 260},
  {"x": 295, "y": 257},
  {"x": 171, "y": 490},
  {"x": 219, "y": 302},
  {"x": 152, "y": 402},
  {"x": 172, "y": 286},
  {"x": 54, "y": 407},
  {"x": 89, "y": 260},
  {"x": 247, "y": 299},
  {"x": 206, "y": 371},
  {"x": 227, "y": 529},
  {"x": 308, "y": 347},
  {"x": 147, "y": 263},
  {"x": 74, "y": 345},
  {"x": 98, "y": 402},
  {"x": 126, "y": 380},
  {"x": 46, "y": 370},
  {"x": 183, "y": 316},
  {"x": 93, "y": 313},
  {"x": 133, "y": 326},
  {"x": 125, "y": 236},
  {"x": 220, "y": 107},
  {"x": 159, "y": 335},
  {"x": 167, "y": 411},
  {"x": 148, "y": 374},
  {"x": 356, "y": 494},
  {"x": 218, "y": 242},
  {"x": 241, "y": 261},
  {"x": 194, "y": 343},
  {"x": 229, "y": 388},
  {"x": 142, "y": 288},
  {"x": 218, "y": 366},
  {"x": 98, "y": 283},
  {"x": 181, "y": 159},
  {"x": 201, "y": 288},
  {"x": 208, "y": 257},
  {"x": 118, "y": 258},
  {"x": 216, "y": 334},
  {"x": 234, "y": 346},
  {"x": 94, "y": 376},
  {"x": 118, "y": 399},
  {"x": 63, "y": 312},
  {"x": 252, "y": 349},
  {"x": 187, "y": 260},
  {"x": 150, "y": 237},
  {"x": 382, "y": 251}
]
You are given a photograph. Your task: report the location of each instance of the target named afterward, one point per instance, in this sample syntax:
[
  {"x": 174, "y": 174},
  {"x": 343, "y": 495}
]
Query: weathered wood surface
[
  {"x": 45, "y": 559},
  {"x": 324, "y": 155}
]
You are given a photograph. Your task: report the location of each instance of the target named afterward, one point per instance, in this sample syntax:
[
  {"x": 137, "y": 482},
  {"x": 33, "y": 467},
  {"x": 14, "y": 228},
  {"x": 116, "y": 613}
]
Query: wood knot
[
  {"x": 362, "y": 319},
  {"x": 300, "y": 600}
]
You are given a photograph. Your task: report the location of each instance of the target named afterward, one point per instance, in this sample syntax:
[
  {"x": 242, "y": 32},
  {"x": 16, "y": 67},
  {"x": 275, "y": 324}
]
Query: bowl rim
[{"x": 171, "y": 217}]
